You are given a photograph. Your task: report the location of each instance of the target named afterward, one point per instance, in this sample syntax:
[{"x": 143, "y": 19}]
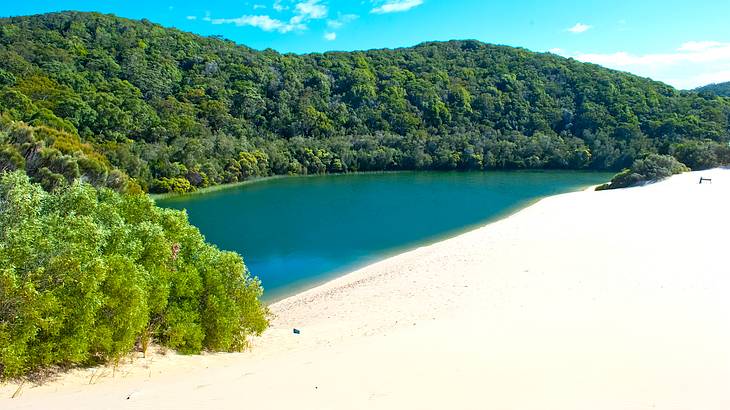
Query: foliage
[
  {"x": 719, "y": 89},
  {"x": 176, "y": 185},
  {"x": 55, "y": 158},
  {"x": 652, "y": 168},
  {"x": 701, "y": 154},
  {"x": 85, "y": 273},
  {"x": 163, "y": 105}
]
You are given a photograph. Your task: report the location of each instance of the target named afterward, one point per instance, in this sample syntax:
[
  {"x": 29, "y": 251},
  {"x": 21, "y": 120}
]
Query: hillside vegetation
[
  {"x": 175, "y": 111},
  {"x": 720, "y": 89}
]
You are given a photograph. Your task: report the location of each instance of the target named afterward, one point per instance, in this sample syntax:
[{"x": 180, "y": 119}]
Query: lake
[{"x": 296, "y": 232}]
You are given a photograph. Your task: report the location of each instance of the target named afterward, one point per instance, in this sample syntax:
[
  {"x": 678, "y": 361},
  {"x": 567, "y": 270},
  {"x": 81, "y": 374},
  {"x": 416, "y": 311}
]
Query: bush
[
  {"x": 652, "y": 168},
  {"x": 177, "y": 185},
  {"x": 86, "y": 273}
]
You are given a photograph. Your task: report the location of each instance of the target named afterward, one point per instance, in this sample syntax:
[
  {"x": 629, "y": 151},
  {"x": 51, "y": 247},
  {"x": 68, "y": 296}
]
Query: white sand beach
[{"x": 588, "y": 300}]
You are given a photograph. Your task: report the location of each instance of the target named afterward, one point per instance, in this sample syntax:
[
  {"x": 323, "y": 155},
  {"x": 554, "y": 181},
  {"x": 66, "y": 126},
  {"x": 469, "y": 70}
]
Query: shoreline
[
  {"x": 214, "y": 188},
  {"x": 255, "y": 180},
  {"x": 415, "y": 246},
  {"x": 232, "y": 185},
  {"x": 604, "y": 300},
  {"x": 281, "y": 292},
  {"x": 358, "y": 273}
]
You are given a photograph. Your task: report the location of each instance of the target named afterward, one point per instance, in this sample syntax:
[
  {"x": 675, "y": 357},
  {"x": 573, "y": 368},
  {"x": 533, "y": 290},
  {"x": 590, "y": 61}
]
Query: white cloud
[
  {"x": 689, "y": 52},
  {"x": 701, "y": 79},
  {"x": 341, "y": 20},
  {"x": 395, "y": 6},
  {"x": 579, "y": 28},
  {"x": 692, "y": 64},
  {"x": 330, "y": 36},
  {"x": 259, "y": 6},
  {"x": 263, "y": 22},
  {"x": 191, "y": 17},
  {"x": 304, "y": 12},
  {"x": 699, "y": 45},
  {"x": 279, "y": 7},
  {"x": 309, "y": 10}
]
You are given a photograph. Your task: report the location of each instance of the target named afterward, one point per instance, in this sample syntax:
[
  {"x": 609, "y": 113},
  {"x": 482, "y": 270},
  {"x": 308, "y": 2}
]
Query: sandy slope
[{"x": 589, "y": 300}]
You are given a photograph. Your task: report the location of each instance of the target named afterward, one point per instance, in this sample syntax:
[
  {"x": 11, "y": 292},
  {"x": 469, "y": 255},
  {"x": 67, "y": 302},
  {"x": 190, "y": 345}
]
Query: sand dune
[{"x": 589, "y": 300}]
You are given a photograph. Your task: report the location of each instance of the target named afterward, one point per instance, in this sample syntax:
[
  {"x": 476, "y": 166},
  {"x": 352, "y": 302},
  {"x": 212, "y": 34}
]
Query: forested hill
[
  {"x": 721, "y": 89},
  {"x": 82, "y": 94}
]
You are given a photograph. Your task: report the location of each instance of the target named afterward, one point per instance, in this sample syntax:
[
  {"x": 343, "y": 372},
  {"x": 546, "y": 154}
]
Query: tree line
[
  {"x": 720, "y": 89},
  {"x": 174, "y": 111}
]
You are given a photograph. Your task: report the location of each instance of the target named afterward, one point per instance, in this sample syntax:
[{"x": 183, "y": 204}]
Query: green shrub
[
  {"x": 177, "y": 185},
  {"x": 87, "y": 273},
  {"x": 653, "y": 167}
]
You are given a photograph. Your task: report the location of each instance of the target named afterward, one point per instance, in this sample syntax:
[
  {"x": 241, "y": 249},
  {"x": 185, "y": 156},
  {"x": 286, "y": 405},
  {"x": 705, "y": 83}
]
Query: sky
[{"x": 682, "y": 43}]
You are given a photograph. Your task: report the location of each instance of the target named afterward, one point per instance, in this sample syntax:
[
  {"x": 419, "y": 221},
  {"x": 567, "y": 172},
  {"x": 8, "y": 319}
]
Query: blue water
[{"x": 297, "y": 232}]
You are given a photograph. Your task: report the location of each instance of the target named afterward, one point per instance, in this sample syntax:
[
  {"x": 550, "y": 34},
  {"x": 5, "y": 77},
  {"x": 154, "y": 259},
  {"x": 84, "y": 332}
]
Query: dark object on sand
[
  {"x": 296, "y": 331},
  {"x": 705, "y": 180}
]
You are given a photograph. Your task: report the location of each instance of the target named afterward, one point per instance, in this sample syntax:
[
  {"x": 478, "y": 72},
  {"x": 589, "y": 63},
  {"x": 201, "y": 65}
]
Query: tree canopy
[
  {"x": 175, "y": 111},
  {"x": 720, "y": 89}
]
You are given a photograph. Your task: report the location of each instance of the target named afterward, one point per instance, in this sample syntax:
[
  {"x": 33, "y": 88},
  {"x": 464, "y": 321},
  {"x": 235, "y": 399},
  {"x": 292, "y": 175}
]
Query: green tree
[{"x": 86, "y": 273}]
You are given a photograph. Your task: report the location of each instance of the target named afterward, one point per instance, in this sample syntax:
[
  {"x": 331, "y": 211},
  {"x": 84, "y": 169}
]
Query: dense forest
[
  {"x": 721, "y": 89},
  {"x": 123, "y": 103}
]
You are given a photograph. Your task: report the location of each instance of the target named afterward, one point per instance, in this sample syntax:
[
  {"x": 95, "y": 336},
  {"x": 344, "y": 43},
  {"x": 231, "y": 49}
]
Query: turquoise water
[{"x": 297, "y": 232}]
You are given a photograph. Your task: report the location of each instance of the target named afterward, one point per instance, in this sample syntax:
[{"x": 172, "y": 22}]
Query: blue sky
[{"x": 684, "y": 43}]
